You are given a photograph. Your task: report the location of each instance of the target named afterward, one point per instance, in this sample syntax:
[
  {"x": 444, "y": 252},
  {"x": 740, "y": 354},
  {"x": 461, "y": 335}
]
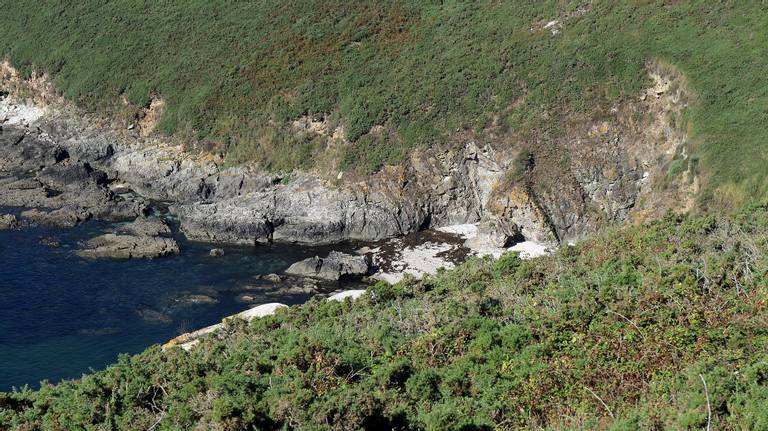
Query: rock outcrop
[
  {"x": 8, "y": 221},
  {"x": 36, "y": 172},
  {"x": 494, "y": 234},
  {"x": 333, "y": 267},
  {"x": 138, "y": 240},
  {"x": 63, "y": 217}
]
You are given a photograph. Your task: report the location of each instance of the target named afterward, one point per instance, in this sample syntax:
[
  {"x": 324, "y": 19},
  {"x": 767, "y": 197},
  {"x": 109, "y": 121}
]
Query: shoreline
[
  {"x": 76, "y": 172},
  {"x": 421, "y": 254}
]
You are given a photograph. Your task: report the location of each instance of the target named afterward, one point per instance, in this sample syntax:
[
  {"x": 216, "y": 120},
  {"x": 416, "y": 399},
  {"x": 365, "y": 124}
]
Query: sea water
[{"x": 62, "y": 315}]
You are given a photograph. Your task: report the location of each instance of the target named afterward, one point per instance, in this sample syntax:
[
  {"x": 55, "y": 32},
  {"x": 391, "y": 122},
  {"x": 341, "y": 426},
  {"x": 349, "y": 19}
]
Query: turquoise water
[{"x": 61, "y": 315}]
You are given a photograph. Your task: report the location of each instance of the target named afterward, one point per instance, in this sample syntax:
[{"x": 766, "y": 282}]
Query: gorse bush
[
  {"x": 619, "y": 332},
  {"x": 234, "y": 72}
]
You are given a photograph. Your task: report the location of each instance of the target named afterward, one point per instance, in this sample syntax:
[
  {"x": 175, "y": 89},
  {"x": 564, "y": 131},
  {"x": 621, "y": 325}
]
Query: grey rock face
[
  {"x": 333, "y": 267},
  {"x": 225, "y": 222},
  {"x": 303, "y": 211},
  {"x": 595, "y": 175},
  {"x": 38, "y": 172},
  {"x": 62, "y": 164},
  {"x": 70, "y": 174},
  {"x": 138, "y": 240}
]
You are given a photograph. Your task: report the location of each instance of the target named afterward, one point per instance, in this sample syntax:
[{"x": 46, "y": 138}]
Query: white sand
[
  {"x": 530, "y": 249},
  {"x": 417, "y": 261},
  {"x": 423, "y": 258}
]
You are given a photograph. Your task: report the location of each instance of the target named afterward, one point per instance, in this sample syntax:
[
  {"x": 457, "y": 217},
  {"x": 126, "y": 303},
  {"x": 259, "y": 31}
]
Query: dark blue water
[{"x": 61, "y": 315}]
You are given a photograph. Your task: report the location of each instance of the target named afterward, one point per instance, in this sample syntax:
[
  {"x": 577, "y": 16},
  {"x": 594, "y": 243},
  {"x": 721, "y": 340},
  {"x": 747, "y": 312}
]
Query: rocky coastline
[
  {"x": 66, "y": 171},
  {"x": 74, "y": 166},
  {"x": 66, "y": 167},
  {"x": 433, "y": 211}
]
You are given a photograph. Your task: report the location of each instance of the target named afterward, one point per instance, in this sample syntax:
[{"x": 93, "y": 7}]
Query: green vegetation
[
  {"x": 647, "y": 327},
  {"x": 238, "y": 73},
  {"x": 619, "y": 332}
]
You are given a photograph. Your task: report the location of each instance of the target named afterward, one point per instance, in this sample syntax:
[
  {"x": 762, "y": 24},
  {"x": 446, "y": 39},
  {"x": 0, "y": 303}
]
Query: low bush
[{"x": 648, "y": 327}]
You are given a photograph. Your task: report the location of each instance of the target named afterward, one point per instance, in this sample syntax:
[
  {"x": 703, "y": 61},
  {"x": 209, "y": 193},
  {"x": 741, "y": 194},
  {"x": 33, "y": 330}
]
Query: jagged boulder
[
  {"x": 333, "y": 267},
  {"x": 494, "y": 234},
  {"x": 8, "y": 221}
]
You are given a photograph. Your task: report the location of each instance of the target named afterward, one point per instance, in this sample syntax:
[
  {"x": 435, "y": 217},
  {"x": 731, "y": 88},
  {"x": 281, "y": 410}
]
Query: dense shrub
[{"x": 619, "y": 332}]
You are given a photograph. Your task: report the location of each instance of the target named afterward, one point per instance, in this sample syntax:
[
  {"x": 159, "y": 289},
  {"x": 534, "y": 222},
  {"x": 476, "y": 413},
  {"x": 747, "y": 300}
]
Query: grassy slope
[
  {"x": 237, "y": 72},
  {"x": 634, "y": 318}
]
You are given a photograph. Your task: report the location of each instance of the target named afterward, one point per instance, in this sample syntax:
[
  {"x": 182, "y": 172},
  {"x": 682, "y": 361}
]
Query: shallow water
[{"x": 61, "y": 315}]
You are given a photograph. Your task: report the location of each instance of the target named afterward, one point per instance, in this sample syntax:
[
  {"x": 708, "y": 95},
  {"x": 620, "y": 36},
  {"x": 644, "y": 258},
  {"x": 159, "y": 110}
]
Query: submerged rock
[
  {"x": 99, "y": 332},
  {"x": 333, "y": 267},
  {"x": 196, "y": 299},
  {"x": 274, "y": 278},
  {"x": 49, "y": 241},
  {"x": 246, "y": 298},
  {"x": 137, "y": 240},
  {"x": 153, "y": 316},
  {"x": 292, "y": 290}
]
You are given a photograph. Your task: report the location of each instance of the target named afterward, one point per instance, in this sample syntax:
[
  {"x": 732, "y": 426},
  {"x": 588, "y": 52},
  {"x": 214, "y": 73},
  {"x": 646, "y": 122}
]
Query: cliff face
[{"x": 630, "y": 164}]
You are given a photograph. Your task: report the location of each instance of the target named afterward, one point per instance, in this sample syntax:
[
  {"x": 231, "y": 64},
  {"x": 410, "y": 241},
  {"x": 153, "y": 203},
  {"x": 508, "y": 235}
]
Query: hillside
[
  {"x": 629, "y": 135},
  {"x": 237, "y": 75},
  {"x": 651, "y": 327}
]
